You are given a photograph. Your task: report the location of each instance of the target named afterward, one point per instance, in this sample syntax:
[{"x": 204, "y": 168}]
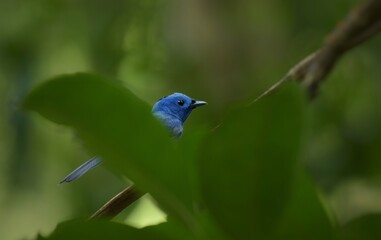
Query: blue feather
[{"x": 84, "y": 168}]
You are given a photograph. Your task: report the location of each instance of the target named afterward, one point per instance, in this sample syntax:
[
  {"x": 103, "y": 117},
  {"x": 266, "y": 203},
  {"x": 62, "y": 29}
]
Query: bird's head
[{"x": 177, "y": 105}]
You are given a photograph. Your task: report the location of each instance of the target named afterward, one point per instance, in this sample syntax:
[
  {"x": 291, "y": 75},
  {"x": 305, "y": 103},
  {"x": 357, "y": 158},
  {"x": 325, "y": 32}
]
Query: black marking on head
[{"x": 193, "y": 101}]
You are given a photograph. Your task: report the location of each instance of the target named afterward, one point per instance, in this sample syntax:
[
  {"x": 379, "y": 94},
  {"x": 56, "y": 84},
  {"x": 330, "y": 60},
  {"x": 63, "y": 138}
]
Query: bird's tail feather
[{"x": 84, "y": 168}]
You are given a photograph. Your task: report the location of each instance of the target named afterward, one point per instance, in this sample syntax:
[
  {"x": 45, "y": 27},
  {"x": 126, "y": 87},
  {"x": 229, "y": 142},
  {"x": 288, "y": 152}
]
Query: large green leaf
[
  {"x": 304, "y": 216},
  {"x": 118, "y": 126},
  {"x": 367, "y": 227},
  {"x": 248, "y": 163}
]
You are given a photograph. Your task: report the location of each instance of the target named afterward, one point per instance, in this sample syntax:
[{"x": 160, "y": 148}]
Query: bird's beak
[{"x": 197, "y": 104}]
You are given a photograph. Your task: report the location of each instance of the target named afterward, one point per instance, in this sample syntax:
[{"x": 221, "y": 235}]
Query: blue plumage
[
  {"x": 85, "y": 167},
  {"x": 172, "y": 110}
]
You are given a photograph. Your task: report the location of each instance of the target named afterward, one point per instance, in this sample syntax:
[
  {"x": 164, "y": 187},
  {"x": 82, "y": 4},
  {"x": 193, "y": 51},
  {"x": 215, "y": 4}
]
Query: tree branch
[
  {"x": 118, "y": 203},
  {"x": 363, "y": 22}
]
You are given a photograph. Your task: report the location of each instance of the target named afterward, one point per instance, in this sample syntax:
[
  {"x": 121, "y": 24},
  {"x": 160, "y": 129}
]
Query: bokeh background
[{"x": 223, "y": 52}]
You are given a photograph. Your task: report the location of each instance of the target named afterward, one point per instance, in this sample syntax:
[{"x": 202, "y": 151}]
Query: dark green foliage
[
  {"x": 263, "y": 174},
  {"x": 242, "y": 180},
  {"x": 119, "y": 127},
  {"x": 248, "y": 163},
  {"x": 366, "y": 227}
]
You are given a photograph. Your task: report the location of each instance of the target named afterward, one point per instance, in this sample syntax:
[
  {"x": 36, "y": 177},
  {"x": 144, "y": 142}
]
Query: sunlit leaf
[{"x": 81, "y": 229}]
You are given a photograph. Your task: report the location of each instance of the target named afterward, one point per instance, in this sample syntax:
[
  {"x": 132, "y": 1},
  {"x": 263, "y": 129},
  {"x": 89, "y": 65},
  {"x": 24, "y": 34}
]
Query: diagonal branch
[
  {"x": 363, "y": 22},
  {"x": 118, "y": 203}
]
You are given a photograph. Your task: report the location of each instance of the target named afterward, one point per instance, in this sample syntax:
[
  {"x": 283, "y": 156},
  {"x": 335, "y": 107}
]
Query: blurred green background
[{"x": 223, "y": 52}]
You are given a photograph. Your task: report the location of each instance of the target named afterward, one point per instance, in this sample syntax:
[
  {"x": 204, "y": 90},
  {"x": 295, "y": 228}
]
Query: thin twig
[
  {"x": 118, "y": 203},
  {"x": 272, "y": 88}
]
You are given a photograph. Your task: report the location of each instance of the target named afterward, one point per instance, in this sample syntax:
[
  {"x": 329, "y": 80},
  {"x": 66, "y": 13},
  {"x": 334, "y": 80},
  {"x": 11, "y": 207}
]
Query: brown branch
[
  {"x": 363, "y": 22},
  {"x": 118, "y": 203}
]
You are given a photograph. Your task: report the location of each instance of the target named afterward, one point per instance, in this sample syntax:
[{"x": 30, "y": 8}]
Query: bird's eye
[{"x": 180, "y": 102}]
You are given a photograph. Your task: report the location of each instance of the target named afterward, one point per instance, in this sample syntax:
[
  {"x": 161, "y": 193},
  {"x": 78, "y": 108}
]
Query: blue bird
[{"x": 172, "y": 110}]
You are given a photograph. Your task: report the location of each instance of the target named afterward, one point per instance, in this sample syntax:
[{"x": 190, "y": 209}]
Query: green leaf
[
  {"x": 247, "y": 164},
  {"x": 304, "y": 216},
  {"x": 118, "y": 126},
  {"x": 363, "y": 228},
  {"x": 82, "y": 229}
]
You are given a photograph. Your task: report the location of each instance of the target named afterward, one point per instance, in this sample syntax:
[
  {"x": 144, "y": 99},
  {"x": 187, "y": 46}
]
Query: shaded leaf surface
[
  {"x": 363, "y": 228},
  {"x": 247, "y": 166},
  {"x": 304, "y": 216},
  {"x": 118, "y": 126}
]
